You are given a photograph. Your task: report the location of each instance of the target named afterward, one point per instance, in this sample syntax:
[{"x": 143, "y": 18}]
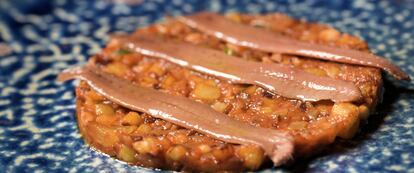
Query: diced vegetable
[
  {"x": 126, "y": 153},
  {"x": 106, "y": 119},
  {"x": 219, "y": 106},
  {"x": 146, "y": 146},
  {"x": 297, "y": 125},
  {"x": 103, "y": 109},
  {"x": 132, "y": 118},
  {"x": 176, "y": 153},
  {"x": 116, "y": 68},
  {"x": 204, "y": 148},
  {"x": 363, "y": 112},
  {"x": 206, "y": 92},
  {"x": 144, "y": 129},
  {"x": 252, "y": 156}
]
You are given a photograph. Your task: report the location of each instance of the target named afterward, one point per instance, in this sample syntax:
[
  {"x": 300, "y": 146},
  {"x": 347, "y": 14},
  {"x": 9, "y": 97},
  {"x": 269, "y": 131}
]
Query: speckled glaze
[{"x": 38, "y": 39}]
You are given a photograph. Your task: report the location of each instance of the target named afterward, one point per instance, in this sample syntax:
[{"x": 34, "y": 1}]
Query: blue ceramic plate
[{"x": 38, "y": 39}]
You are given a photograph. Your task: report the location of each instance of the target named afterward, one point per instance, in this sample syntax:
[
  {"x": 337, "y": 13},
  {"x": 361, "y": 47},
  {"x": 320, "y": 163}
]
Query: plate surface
[{"x": 38, "y": 39}]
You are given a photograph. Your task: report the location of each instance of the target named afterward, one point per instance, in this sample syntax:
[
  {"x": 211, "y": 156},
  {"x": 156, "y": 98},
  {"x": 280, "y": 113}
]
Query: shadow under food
[{"x": 391, "y": 95}]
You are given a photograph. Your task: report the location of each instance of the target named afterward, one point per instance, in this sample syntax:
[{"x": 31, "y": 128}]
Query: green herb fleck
[
  {"x": 122, "y": 52},
  {"x": 228, "y": 51},
  {"x": 259, "y": 26}
]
